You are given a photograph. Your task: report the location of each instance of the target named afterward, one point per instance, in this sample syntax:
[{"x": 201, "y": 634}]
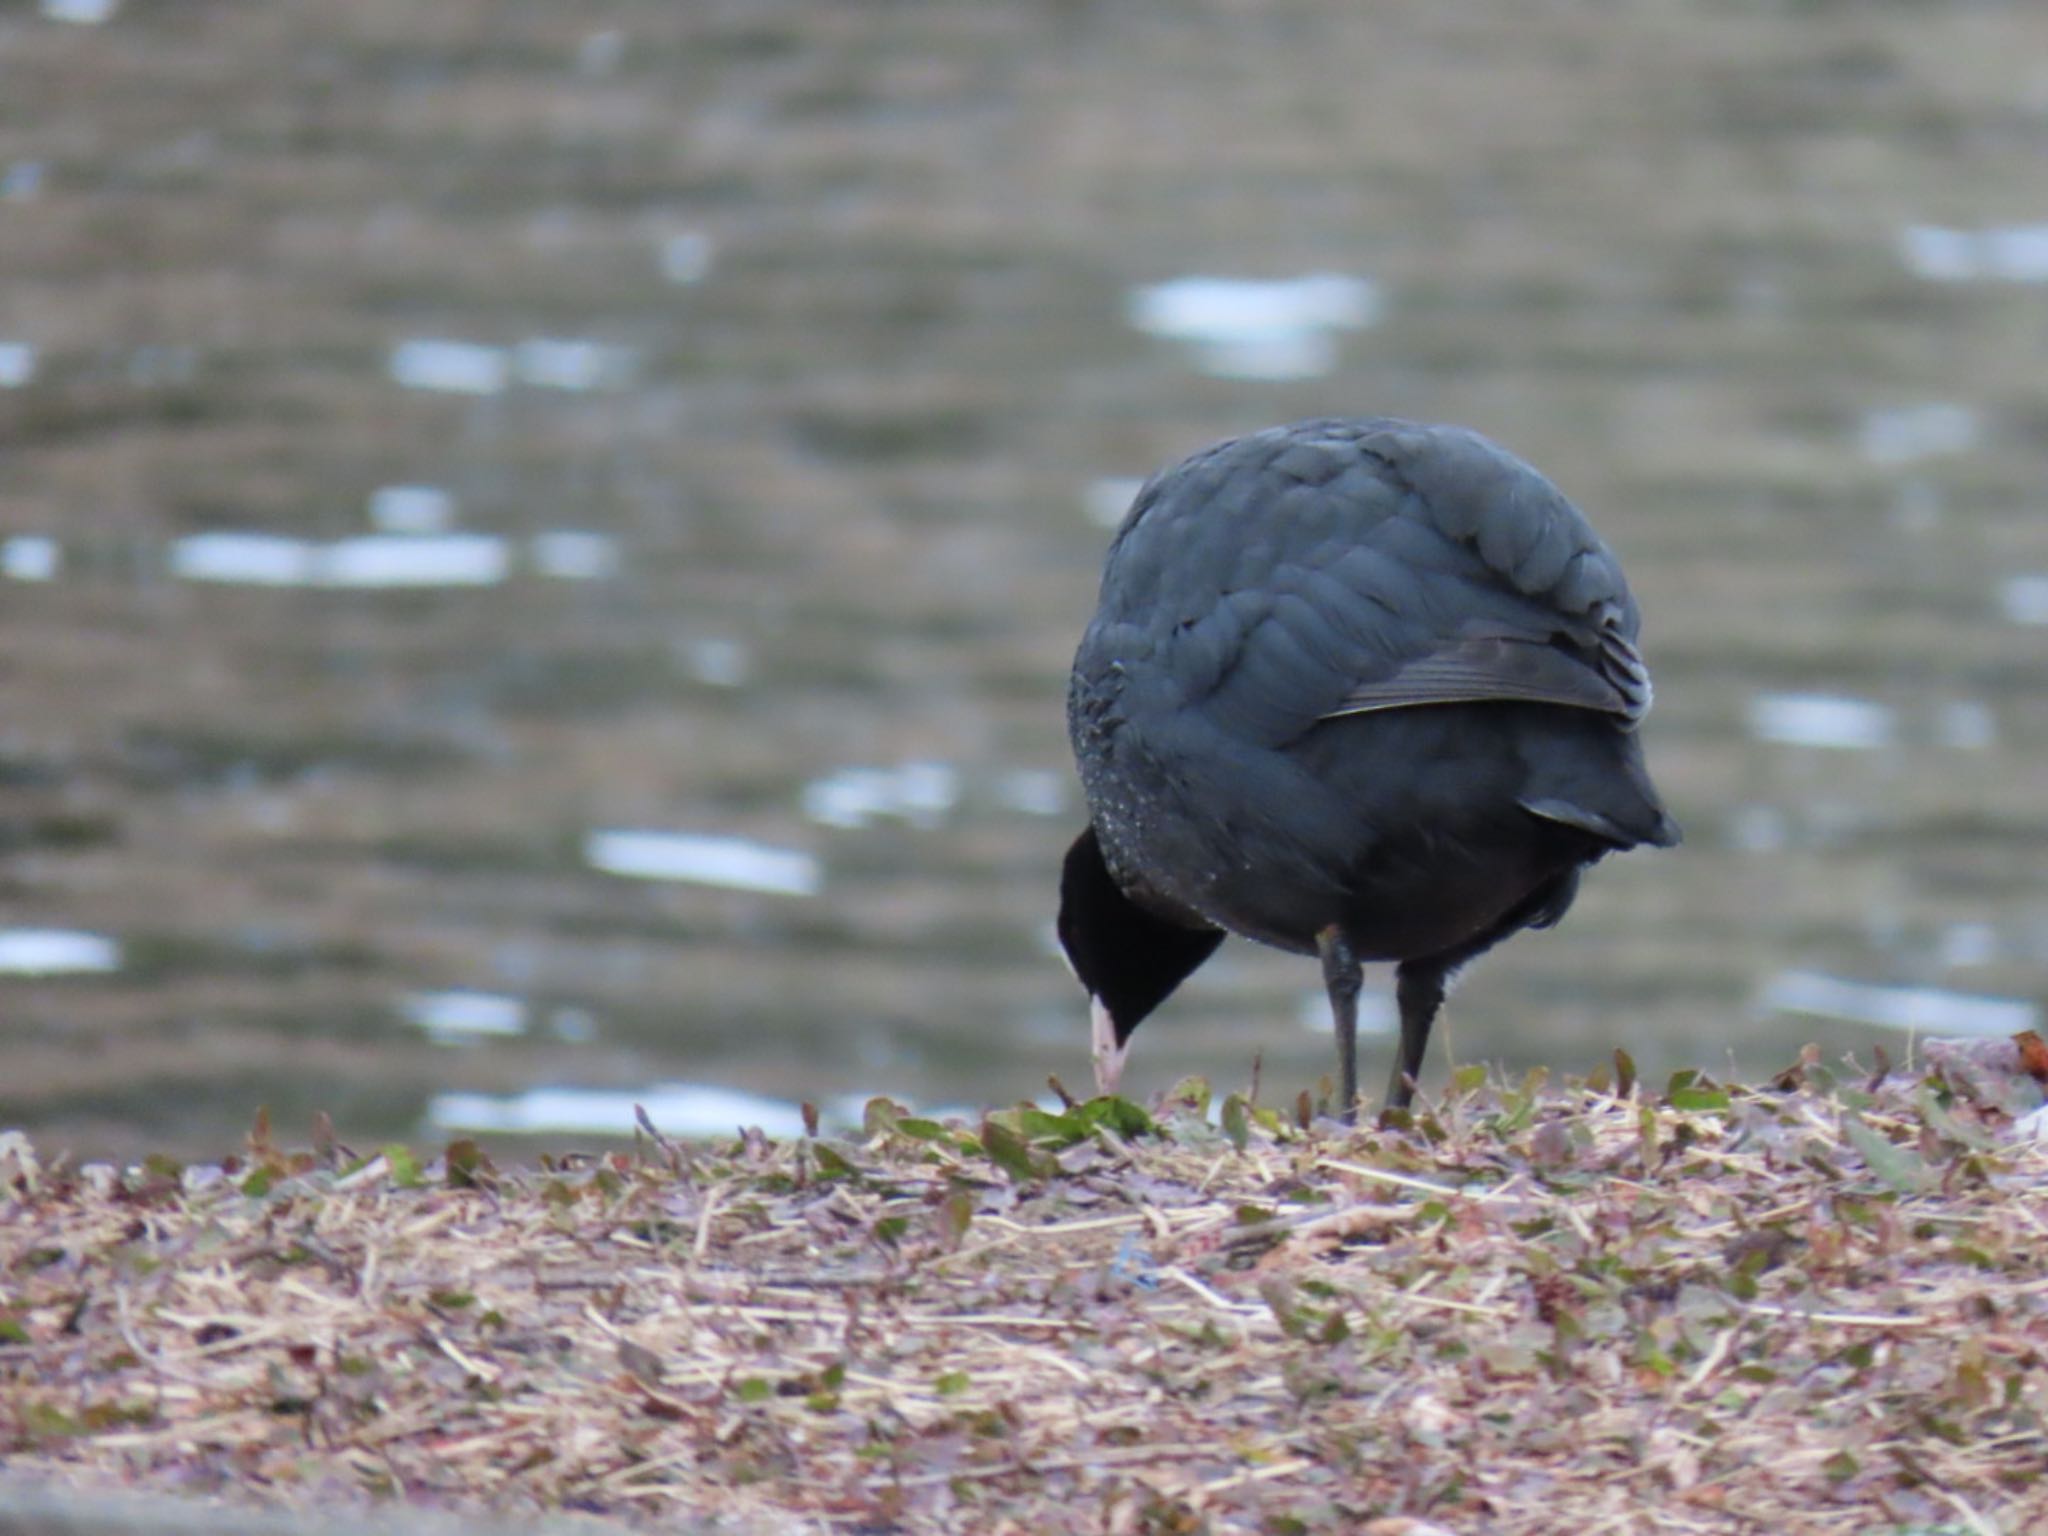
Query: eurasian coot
[{"x": 1361, "y": 689}]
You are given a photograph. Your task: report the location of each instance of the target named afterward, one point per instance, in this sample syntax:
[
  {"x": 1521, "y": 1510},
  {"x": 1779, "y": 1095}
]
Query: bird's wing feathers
[
  {"x": 1474, "y": 670},
  {"x": 1383, "y": 565}
]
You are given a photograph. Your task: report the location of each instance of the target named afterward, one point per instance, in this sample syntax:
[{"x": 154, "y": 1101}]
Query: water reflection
[
  {"x": 1924, "y": 1010},
  {"x": 85, "y": 13},
  {"x": 21, "y": 181},
  {"x": 573, "y": 555},
  {"x": 1244, "y": 328},
  {"x": 2012, "y": 253},
  {"x": 56, "y": 952},
  {"x": 451, "y": 367},
  {"x": 1911, "y": 433},
  {"x": 368, "y": 561},
  {"x": 554, "y": 362},
  {"x": 17, "y": 364},
  {"x": 720, "y": 662},
  {"x": 461, "y": 1017},
  {"x": 1108, "y": 499},
  {"x": 919, "y": 793},
  {"x": 697, "y": 859},
  {"x": 676, "y": 1109},
  {"x": 30, "y": 557},
  {"x": 1821, "y": 720},
  {"x": 412, "y": 509},
  {"x": 686, "y": 258},
  {"x": 2025, "y": 599}
]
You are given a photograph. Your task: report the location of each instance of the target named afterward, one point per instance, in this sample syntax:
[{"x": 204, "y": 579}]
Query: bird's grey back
[{"x": 1340, "y": 566}]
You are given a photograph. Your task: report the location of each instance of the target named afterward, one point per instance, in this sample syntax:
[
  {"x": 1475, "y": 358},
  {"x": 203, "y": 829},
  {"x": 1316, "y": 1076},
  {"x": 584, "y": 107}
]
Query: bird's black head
[{"x": 1129, "y": 960}]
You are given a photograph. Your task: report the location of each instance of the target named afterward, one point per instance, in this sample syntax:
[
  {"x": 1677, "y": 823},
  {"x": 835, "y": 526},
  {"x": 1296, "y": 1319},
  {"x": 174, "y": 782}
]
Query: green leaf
[
  {"x": 1840, "y": 1467},
  {"x": 257, "y": 1185},
  {"x": 1900, "y": 1167},
  {"x": 1061, "y": 1130},
  {"x": 1624, "y": 1073},
  {"x": 951, "y": 1383},
  {"x": 1469, "y": 1079},
  {"x": 1236, "y": 1117},
  {"x": 956, "y": 1212},
  {"x": 890, "y": 1229},
  {"x": 830, "y": 1164},
  {"x": 880, "y": 1115},
  {"x": 1008, "y": 1151},
  {"x": 754, "y": 1390},
  {"x": 1699, "y": 1099},
  {"x": 405, "y": 1168},
  {"x": 467, "y": 1166},
  {"x": 1192, "y": 1091},
  {"x": 1120, "y": 1115},
  {"x": 921, "y": 1129}
]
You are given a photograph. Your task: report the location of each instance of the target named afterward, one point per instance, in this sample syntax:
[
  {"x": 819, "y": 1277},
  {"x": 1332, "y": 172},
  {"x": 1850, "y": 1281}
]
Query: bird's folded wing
[
  {"x": 1500, "y": 668},
  {"x": 1612, "y": 679}
]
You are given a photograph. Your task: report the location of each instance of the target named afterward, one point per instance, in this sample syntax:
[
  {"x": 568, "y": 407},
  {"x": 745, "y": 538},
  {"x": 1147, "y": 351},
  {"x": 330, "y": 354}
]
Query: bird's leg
[
  {"x": 1419, "y": 988},
  {"x": 1342, "y": 976},
  {"x": 1104, "y": 1046}
]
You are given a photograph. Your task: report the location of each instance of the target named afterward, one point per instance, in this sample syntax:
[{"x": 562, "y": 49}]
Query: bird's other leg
[
  {"x": 1342, "y": 976},
  {"x": 1104, "y": 1046},
  {"x": 1419, "y": 989}
]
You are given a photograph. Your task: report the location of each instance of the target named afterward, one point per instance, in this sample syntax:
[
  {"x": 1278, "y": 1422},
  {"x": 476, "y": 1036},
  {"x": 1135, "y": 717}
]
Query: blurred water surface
[{"x": 539, "y": 546}]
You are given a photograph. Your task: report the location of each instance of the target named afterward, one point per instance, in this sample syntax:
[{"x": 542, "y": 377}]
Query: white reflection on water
[
  {"x": 1820, "y": 720},
  {"x": 1928, "y": 1010},
  {"x": 686, "y": 258},
  {"x": 1378, "y": 1013},
  {"x": 446, "y": 560},
  {"x": 369, "y": 561},
  {"x": 1250, "y": 329},
  {"x": 570, "y": 555},
  {"x": 21, "y": 181},
  {"x": 17, "y": 364},
  {"x": 1968, "y": 725},
  {"x": 719, "y": 662},
  {"x": 85, "y": 13},
  {"x": 1967, "y": 944},
  {"x": 677, "y": 1109},
  {"x": 2025, "y": 599},
  {"x": 450, "y": 367},
  {"x": 461, "y": 1016},
  {"x": 1034, "y": 791},
  {"x": 56, "y": 952},
  {"x": 733, "y": 862},
  {"x": 30, "y": 557},
  {"x": 1758, "y": 828},
  {"x": 255, "y": 559},
  {"x": 1914, "y": 432},
  {"x": 411, "y": 509},
  {"x": 555, "y": 362},
  {"x": 1108, "y": 499},
  {"x": 600, "y": 53},
  {"x": 2012, "y": 253},
  {"x": 919, "y": 793}
]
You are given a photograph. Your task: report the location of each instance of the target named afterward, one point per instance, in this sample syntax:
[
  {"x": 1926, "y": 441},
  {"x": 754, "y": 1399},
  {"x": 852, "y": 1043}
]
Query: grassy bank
[{"x": 1813, "y": 1306}]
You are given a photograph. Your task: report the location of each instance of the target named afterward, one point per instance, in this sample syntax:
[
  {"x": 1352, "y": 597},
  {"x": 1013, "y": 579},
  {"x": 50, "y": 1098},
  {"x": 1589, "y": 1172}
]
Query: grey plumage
[{"x": 1359, "y": 688}]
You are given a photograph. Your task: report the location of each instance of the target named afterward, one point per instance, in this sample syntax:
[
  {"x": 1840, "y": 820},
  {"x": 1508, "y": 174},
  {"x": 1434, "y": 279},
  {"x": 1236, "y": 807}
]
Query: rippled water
[{"x": 538, "y": 562}]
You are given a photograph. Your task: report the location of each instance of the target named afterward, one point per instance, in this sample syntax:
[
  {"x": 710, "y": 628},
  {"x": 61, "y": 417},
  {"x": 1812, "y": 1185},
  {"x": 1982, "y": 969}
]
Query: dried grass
[{"x": 1817, "y": 1307}]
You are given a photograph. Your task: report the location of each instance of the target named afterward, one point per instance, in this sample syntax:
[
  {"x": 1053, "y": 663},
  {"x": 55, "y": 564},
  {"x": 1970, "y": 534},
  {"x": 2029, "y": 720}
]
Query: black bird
[{"x": 1361, "y": 689}]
